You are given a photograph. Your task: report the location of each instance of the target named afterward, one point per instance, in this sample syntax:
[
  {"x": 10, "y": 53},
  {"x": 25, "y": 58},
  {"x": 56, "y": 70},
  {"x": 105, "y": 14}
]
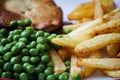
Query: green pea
[
  {"x": 6, "y": 74},
  {"x": 4, "y": 31},
  {"x": 7, "y": 56},
  {"x": 25, "y": 66},
  {"x": 46, "y": 34},
  {"x": 40, "y": 47},
  {"x": 41, "y": 76},
  {"x": 50, "y": 68},
  {"x": 47, "y": 72},
  {"x": 63, "y": 77},
  {"x": 23, "y": 40},
  {"x": 23, "y": 76},
  {"x": 30, "y": 29},
  {"x": 21, "y": 22},
  {"x": 50, "y": 77},
  {"x": 29, "y": 46},
  {"x": 53, "y": 35},
  {"x": 45, "y": 58},
  {"x": 16, "y": 37},
  {"x": 10, "y": 37},
  {"x": 40, "y": 33},
  {"x": 38, "y": 70},
  {"x": 32, "y": 37},
  {"x": 33, "y": 52},
  {"x": 34, "y": 60},
  {"x": 33, "y": 43},
  {"x": 41, "y": 40},
  {"x": 76, "y": 77},
  {"x": 26, "y": 59},
  {"x": 67, "y": 30},
  {"x": 57, "y": 74},
  {"x": 59, "y": 36},
  {"x": 27, "y": 22},
  {"x": 25, "y": 51},
  {"x": 7, "y": 47},
  {"x": 13, "y": 23},
  {"x": 68, "y": 68},
  {"x": 17, "y": 31},
  {"x": 30, "y": 69},
  {"x": 67, "y": 63},
  {"x": 50, "y": 64},
  {"x": 21, "y": 45},
  {"x": 4, "y": 41},
  {"x": 7, "y": 66},
  {"x": 41, "y": 66},
  {"x": 15, "y": 50},
  {"x": 25, "y": 34},
  {"x": 14, "y": 60},
  {"x": 17, "y": 68}
]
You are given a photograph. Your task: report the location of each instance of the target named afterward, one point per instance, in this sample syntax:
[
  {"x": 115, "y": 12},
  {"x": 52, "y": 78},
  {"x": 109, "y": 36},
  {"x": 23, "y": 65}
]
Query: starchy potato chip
[
  {"x": 98, "y": 10},
  {"x": 112, "y": 73},
  {"x": 74, "y": 68},
  {"x": 81, "y": 10},
  {"x": 88, "y": 71},
  {"x": 73, "y": 26},
  {"x": 82, "y": 34},
  {"x": 107, "y": 5},
  {"x": 115, "y": 14},
  {"x": 63, "y": 54},
  {"x": 59, "y": 66},
  {"x": 103, "y": 63},
  {"x": 97, "y": 42},
  {"x": 113, "y": 49},
  {"x": 79, "y": 35}
]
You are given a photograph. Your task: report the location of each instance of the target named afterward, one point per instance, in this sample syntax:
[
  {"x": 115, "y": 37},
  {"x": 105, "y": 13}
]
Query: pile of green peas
[{"x": 23, "y": 54}]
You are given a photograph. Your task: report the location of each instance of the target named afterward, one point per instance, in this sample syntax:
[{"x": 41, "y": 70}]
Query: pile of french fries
[{"x": 94, "y": 42}]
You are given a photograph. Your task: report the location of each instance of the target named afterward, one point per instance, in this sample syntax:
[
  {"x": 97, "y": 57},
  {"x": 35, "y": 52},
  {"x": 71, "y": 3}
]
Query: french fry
[
  {"x": 98, "y": 10},
  {"x": 113, "y": 49},
  {"x": 88, "y": 71},
  {"x": 107, "y": 5},
  {"x": 97, "y": 42},
  {"x": 112, "y": 73},
  {"x": 81, "y": 10},
  {"x": 112, "y": 15},
  {"x": 87, "y": 25},
  {"x": 74, "y": 68},
  {"x": 59, "y": 66},
  {"x": 77, "y": 34},
  {"x": 73, "y": 26},
  {"x": 103, "y": 63},
  {"x": 85, "y": 20},
  {"x": 64, "y": 54}
]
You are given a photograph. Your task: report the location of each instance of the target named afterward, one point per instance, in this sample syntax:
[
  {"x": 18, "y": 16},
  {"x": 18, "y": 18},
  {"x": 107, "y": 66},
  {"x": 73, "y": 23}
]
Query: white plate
[{"x": 68, "y": 6}]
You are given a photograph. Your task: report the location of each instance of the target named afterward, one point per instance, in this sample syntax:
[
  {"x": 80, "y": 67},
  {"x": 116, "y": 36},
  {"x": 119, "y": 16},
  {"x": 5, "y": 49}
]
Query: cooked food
[
  {"x": 45, "y": 14},
  {"x": 86, "y": 10}
]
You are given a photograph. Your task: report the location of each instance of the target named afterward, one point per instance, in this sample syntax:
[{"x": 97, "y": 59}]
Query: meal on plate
[{"x": 29, "y": 50}]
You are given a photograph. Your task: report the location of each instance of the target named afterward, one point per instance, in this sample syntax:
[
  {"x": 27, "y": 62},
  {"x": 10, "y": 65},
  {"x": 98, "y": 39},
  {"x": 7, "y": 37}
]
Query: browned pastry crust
[{"x": 45, "y": 14}]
